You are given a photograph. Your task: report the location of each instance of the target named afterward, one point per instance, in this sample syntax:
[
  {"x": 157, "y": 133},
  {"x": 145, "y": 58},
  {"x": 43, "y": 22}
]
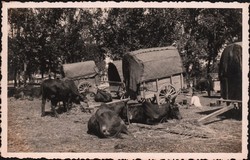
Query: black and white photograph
[{"x": 124, "y": 80}]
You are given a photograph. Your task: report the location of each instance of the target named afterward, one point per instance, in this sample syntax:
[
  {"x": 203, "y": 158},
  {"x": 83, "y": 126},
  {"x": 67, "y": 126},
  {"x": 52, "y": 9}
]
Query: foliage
[{"x": 41, "y": 39}]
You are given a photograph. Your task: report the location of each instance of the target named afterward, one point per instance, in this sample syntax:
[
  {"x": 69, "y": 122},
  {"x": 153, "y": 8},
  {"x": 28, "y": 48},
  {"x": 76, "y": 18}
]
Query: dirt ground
[{"x": 29, "y": 132}]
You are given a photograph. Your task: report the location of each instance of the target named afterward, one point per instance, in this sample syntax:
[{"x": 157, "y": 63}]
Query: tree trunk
[
  {"x": 210, "y": 58},
  {"x": 42, "y": 72},
  {"x": 24, "y": 71},
  {"x": 54, "y": 75},
  {"x": 18, "y": 78},
  {"x": 15, "y": 77}
]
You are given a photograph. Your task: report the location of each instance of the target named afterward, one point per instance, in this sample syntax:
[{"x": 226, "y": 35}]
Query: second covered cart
[
  {"x": 84, "y": 74},
  {"x": 154, "y": 73}
]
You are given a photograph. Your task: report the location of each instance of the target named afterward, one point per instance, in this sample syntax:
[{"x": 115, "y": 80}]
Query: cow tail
[{"x": 41, "y": 90}]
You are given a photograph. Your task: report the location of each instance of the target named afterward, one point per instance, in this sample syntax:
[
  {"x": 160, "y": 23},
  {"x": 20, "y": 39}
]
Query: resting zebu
[
  {"x": 59, "y": 90},
  {"x": 106, "y": 123},
  {"x": 149, "y": 113}
]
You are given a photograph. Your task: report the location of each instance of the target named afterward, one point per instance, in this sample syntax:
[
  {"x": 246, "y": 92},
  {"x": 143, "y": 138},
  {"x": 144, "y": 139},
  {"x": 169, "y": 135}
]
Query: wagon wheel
[
  {"x": 165, "y": 93},
  {"x": 84, "y": 87}
]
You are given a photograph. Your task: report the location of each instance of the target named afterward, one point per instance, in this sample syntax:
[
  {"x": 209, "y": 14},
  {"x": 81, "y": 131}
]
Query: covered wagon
[
  {"x": 112, "y": 80},
  {"x": 230, "y": 72},
  {"x": 115, "y": 78},
  {"x": 154, "y": 73},
  {"x": 84, "y": 74},
  {"x": 230, "y": 76}
]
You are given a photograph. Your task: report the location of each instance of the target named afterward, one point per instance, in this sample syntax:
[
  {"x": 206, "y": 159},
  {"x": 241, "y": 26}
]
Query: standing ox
[
  {"x": 106, "y": 123},
  {"x": 59, "y": 90}
]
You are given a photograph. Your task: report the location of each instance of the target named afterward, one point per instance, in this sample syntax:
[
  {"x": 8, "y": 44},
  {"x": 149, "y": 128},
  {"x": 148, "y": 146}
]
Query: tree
[
  {"x": 207, "y": 30},
  {"x": 17, "y": 46},
  {"x": 44, "y": 38},
  {"x": 126, "y": 29}
]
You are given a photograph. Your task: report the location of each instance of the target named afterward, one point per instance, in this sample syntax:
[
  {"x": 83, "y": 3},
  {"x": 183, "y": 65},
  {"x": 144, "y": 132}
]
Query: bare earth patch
[{"x": 29, "y": 132}]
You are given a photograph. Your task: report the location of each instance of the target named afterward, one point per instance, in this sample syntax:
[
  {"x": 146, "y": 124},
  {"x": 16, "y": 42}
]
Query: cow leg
[
  {"x": 53, "y": 107},
  {"x": 65, "y": 106},
  {"x": 126, "y": 131},
  {"x": 70, "y": 103},
  {"x": 43, "y": 107}
]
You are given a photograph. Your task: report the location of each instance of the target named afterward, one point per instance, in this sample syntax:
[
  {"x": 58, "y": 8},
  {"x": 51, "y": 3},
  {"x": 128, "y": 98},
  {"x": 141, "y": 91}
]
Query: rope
[{"x": 127, "y": 113}]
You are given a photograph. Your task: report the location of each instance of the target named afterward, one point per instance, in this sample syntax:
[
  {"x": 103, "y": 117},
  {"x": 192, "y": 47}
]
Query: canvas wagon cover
[
  {"x": 230, "y": 72},
  {"x": 150, "y": 64},
  {"x": 118, "y": 64},
  {"x": 80, "y": 70}
]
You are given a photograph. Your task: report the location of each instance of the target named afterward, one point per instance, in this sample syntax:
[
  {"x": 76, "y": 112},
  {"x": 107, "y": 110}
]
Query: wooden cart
[
  {"x": 84, "y": 74},
  {"x": 153, "y": 74},
  {"x": 87, "y": 77},
  {"x": 112, "y": 80},
  {"x": 230, "y": 75}
]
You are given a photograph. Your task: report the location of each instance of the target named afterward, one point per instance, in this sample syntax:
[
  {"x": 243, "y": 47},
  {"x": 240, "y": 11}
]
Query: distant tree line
[{"x": 41, "y": 39}]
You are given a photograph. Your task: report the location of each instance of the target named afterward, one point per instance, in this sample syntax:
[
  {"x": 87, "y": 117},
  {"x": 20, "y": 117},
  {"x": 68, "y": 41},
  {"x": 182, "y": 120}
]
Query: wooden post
[
  {"x": 182, "y": 81},
  {"x": 156, "y": 85}
]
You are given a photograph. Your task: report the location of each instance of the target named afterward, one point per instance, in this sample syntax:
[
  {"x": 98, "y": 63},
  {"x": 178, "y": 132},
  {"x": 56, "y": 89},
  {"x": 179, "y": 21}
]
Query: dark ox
[
  {"x": 149, "y": 113},
  {"x": 59, "y": 90},
  {"x": 106, "y": 123}
]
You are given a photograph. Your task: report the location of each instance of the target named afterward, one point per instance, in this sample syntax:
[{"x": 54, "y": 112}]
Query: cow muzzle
[{"x": 105, "y": 131}]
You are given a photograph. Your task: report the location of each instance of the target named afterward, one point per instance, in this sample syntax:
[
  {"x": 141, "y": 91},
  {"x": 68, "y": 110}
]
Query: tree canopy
[{"x": 41, "y": 39}]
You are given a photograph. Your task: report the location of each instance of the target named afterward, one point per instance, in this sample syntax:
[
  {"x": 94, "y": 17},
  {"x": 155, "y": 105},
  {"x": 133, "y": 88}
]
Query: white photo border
[{"x": 245, "y": 82}]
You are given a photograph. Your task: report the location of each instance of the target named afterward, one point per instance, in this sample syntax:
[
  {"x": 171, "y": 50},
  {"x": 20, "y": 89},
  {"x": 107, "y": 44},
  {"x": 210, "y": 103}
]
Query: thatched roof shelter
[
  {"x": 230, "y": 72},
  {"x": 151, "y": 64}
]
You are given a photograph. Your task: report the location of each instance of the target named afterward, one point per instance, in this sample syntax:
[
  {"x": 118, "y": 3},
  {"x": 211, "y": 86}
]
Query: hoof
[{"x": 56, "y": 115}]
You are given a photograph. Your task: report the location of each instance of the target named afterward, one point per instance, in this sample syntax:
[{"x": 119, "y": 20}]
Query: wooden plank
[
  {"x": 113, "y": 82},
  {"x": 228, "y": 100},
  {"x": 122, "y": 100},
  {"x": 98, "y": 105},
  {"x": 216, "y": 113}
]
